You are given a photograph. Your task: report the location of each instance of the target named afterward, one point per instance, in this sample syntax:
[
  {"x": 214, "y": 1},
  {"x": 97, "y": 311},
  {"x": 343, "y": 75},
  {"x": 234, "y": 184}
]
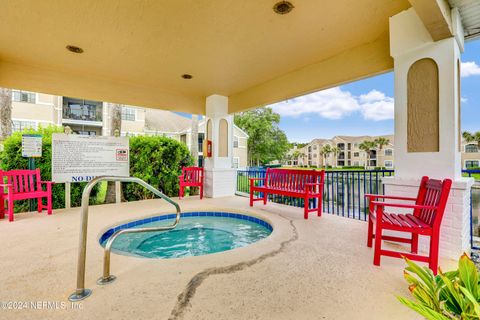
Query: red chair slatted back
[
  {"x": 432, "y": 193},
  {"x": 192, "y": 174},
  {"x": 292, "y": 180},
  {"x": 22, "y": 180}
]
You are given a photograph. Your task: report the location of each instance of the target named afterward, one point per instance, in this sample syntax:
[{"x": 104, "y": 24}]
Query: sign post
[{"x": 31, "y": 149}]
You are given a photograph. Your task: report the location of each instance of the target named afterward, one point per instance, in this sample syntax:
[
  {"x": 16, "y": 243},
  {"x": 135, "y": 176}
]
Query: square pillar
[
  {"x": 220, "y": 176},
  {"x": 427, "y": 124}
]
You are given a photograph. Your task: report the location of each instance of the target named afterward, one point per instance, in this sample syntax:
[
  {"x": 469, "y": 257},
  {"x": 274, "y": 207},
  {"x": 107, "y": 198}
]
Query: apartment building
[
  {"x": 348, "y": 153},
  {"x": 470, "y": 155},
  {"x": 88, "y": 117}
]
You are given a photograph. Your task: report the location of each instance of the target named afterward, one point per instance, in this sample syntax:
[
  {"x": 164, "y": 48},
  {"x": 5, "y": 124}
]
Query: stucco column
[
  {"x": 427, "y": 123},
  {"x": 220, "y": 177}
]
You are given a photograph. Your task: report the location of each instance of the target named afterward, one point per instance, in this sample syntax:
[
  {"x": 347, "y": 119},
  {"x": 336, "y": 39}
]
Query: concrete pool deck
[{"x": 306, "y": 269}]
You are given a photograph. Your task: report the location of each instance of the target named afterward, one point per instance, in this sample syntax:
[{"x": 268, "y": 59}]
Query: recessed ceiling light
[
  {"x": 283, "y": 7},
  {"x": 187, "y": 76},
  {"x": 74, "y": 49}
]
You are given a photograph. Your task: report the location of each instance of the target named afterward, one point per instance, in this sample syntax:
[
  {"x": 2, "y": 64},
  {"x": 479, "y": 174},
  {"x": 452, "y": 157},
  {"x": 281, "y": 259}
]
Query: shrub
[
  {"x": 450, "y": 295},
  {"x": 11, "y": 158},
  {"x": 473, "y": 168},
  {"x": 158, "y": 161}
]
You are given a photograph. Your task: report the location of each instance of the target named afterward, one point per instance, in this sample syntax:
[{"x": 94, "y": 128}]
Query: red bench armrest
[
  {"x": 47, "y": 182},
  {"x": 403, "y": 205},
  {"x": 253, "y": 179},
  {"x": 6, "y": 185},
  {"x": 378, "y": 196}
]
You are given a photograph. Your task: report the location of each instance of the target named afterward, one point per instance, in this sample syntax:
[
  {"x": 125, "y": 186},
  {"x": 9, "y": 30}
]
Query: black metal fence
[
  {"x": 344, "y": 193},
  {"x": 343, "y": 190},
  {"x": 474, "y": 209}
]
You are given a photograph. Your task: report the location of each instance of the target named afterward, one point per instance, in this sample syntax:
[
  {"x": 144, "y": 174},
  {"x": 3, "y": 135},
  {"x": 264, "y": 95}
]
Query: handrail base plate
[
  {"x": 74, "y": 297},
  {"x": 103, "y": 281}
]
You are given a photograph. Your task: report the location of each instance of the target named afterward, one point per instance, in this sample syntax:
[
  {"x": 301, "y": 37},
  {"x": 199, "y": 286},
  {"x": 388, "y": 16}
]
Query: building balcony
[
  {"x": 82, "y": 112},
  {"x": 93, "y": 123}
]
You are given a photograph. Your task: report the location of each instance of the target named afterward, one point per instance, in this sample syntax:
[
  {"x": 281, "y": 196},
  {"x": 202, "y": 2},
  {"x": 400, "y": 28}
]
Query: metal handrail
[
  {"x": 81, "y": 292},
  {"x": 107, "y": 277}
]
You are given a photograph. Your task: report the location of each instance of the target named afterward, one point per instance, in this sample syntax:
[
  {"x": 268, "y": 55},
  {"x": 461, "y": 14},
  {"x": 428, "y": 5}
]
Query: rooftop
[{"x": 166, "y": 121}]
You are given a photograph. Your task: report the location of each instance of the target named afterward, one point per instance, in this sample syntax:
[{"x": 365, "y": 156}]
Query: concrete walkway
[{"x": 314, "y": 269}]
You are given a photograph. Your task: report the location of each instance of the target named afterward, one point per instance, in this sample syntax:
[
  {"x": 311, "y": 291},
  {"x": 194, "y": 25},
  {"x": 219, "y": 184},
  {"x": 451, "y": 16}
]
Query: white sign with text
[
  {"x": 31, "y": 145},
  {"x": 78, "y": 158}
]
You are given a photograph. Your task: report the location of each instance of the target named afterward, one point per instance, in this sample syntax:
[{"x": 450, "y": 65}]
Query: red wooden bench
[
  {"x": 21, "y": 185},
  {"x": 305, "y": 184},
  {"x": 191, "y": 177},
  {"x": 425, "y": 219}
]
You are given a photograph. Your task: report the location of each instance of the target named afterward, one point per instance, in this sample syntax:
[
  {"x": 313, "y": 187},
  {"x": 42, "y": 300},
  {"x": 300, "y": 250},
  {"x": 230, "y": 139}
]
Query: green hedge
[
  {"x": 158, "y": 161},
  {"x": 11, "y": 158}
]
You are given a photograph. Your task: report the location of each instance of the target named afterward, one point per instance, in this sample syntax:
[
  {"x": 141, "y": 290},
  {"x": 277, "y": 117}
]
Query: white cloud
[
  {"x": 336, "y": 103},
  {"x": 469, "y": 68},
  {"x": 376, "y": 106},
  {"x": 331, "y": 104},
  {"x": 372, "y": 96},
  {"x": 464, "y": 99}
]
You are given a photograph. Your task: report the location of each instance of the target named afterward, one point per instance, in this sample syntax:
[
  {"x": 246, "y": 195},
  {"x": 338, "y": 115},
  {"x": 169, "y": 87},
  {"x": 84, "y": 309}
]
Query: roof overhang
[{"x": 136, "y": 51}]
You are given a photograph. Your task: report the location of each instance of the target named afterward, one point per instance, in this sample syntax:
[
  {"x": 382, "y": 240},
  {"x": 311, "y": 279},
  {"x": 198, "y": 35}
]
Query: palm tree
[
  {"x": 381, "y": 141},
  {"x": 5, "y": 113},
  {"x": 366, "y": 146},
  {"x": 472, "y": 137},
  {"x": 325, "y": 152},
  {"x": 194, "y": 139},
  {"x": 115, "y": 129},
  {"x": 303, "y": 155},
  {"x": 295, "y": 156},
  {"x": 335, "y": 152}
]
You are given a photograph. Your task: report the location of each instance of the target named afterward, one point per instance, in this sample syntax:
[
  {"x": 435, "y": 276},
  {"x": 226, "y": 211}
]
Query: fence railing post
[{"x": 474, "y": 223}]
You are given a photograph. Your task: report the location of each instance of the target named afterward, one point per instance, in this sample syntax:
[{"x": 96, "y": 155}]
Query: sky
[{"x": 365, "y": 107}]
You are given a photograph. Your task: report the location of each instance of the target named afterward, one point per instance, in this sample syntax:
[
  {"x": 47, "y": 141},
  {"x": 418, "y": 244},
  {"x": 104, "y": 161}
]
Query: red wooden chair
[
  {"x": 21, "y": 185},
  {"x": 191, "y": 177},
  {"x": 425, "y": 219}
]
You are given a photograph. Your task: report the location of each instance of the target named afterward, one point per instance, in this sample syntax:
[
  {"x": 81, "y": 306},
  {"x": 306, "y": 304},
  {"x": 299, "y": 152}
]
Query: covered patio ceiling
[{"x": 135, "y": 52}]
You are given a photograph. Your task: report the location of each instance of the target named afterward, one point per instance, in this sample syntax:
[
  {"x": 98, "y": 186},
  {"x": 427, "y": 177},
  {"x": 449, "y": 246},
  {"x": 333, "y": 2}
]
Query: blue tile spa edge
[{"x": 132, "y": 224}]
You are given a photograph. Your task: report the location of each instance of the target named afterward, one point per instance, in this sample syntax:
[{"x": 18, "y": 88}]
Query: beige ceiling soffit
[
  {"x": 435, "y": 15},
  {"x": 37, "y": 79},
  {"x": 353, "y": 64}
]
